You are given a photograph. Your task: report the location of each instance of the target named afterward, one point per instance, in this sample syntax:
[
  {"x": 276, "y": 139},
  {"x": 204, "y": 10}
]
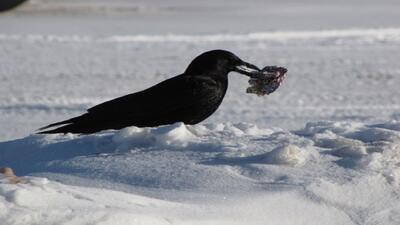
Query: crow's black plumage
[{"x": 189, "y": 98}]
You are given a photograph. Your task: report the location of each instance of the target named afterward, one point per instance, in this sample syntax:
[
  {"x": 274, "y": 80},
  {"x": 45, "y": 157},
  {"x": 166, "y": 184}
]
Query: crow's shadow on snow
[{"x": 35, "y": 153}]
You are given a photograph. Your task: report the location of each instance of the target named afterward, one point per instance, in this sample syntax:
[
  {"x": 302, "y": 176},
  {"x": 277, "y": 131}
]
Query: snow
[
  {"x": 62, "y": 204},
  {"x": 339, "y": 37},
  {"x": 329, "y": 172},
  {"x": 323, "y": 149}
]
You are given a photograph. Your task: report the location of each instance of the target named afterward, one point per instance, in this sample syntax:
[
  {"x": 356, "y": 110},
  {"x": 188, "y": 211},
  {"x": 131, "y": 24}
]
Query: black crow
[
  {"x": 189, "y": 98},
  {"x": 9, "y": 4}
]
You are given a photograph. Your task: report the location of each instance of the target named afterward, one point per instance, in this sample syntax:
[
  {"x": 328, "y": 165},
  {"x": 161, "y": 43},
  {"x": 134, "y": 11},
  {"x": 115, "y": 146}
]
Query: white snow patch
[
  {"x": 176, "y": 135},
  {"x": 55, "y": 203},
  {"x": 288, "y": 154},
  {"x": 43, "y": 202}
]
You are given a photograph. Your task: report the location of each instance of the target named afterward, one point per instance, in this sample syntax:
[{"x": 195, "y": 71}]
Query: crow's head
[{"x": 220, "y": 63}]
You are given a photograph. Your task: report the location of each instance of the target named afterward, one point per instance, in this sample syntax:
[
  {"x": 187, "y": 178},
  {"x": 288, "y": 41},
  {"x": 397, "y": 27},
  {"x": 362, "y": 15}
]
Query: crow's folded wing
[{"x": 177, "y": 93}]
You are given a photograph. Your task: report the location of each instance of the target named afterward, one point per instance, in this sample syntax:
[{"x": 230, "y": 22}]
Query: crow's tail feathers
[
  {"x": 56, "y": 124},
  {"x": 84, "y": 124},
  {"x": 67, "y": 123},
  {"x": 69, "y": 128}
]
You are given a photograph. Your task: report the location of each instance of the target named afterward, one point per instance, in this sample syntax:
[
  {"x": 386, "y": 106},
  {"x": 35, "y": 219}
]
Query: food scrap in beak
[{"x": 267, "y": 81}]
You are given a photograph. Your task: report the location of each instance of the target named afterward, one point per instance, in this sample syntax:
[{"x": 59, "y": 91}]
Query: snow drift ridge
[{"x": 334, "y": 36}]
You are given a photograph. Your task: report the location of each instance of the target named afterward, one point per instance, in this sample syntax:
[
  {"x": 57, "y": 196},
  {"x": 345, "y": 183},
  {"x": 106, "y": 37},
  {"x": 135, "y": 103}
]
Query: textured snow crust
[{"x": 335, "y": 172}]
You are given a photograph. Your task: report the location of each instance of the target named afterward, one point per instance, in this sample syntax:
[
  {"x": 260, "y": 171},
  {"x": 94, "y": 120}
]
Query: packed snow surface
[
  {"x": 323, "y": 149},
  {"x": 328, "y": 172}
]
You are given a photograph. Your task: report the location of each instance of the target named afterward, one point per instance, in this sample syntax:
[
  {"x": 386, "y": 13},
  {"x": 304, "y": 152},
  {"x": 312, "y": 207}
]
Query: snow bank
[
  {"x": 339, "y": 37},
  {"x": 335, "y": 172}
]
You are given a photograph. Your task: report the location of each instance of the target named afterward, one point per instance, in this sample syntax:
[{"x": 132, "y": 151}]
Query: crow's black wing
[{"x": 172, "y": 94}]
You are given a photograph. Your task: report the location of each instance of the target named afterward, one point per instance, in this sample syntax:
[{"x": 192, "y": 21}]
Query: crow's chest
[{"x": 209, "y": 98}]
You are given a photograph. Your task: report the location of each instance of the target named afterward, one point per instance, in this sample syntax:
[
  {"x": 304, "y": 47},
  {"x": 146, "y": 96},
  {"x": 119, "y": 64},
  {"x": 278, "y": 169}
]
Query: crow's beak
[{"x": 247, "y": 69}]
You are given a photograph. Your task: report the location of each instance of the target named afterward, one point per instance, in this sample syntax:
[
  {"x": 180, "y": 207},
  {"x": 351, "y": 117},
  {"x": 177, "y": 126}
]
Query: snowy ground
[
  {"x": 325, "y": 149},
  {"x": 326, "y": 173}
]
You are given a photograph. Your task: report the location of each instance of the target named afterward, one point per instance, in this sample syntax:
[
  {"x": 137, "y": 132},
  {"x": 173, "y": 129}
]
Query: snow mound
[
  {"x": 176, "y": 135},
  {"x": 356, "y": 144},
  {"x": 347, "y": 172},
  {"x": 289, "y": 154}
]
